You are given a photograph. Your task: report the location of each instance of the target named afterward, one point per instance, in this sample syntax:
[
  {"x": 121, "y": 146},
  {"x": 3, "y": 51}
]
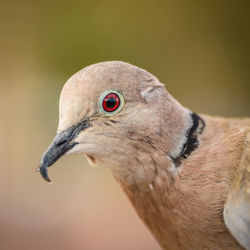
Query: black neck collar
[{"x": 192, "y": 141}]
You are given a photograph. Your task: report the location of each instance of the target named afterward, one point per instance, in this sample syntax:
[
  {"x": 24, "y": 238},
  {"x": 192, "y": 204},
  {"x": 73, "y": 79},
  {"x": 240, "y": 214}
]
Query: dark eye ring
[{"x": 111, "y": 102}]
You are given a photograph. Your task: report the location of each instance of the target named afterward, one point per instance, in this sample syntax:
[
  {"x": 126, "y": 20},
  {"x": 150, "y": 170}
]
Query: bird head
[{"x": 109, "y": 112}]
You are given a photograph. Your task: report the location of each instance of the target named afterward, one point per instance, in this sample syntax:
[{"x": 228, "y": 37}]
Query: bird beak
[{"x": 63, "y": 142}]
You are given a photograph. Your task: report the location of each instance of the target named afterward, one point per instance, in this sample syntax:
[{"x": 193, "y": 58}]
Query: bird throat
[{"x": 192, "y": 142}]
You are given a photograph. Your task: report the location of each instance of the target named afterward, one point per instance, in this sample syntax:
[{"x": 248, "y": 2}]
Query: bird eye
[{"x": 111, "y": 102}]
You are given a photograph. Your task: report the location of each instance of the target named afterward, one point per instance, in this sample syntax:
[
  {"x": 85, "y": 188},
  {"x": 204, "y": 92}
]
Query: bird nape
[{"x": 187, "y": 175}]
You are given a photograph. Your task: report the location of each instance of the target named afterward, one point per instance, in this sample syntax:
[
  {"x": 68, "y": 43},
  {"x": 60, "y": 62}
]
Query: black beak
[{"x": 62, "y": 143}]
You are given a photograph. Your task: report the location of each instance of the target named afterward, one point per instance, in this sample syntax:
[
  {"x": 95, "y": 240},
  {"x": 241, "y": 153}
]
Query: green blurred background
[{"x": 199, "y": 49}]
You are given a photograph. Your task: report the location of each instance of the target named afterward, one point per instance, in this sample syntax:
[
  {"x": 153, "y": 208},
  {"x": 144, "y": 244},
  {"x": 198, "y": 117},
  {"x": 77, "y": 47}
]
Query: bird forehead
[{"x": 118, "y": 74}]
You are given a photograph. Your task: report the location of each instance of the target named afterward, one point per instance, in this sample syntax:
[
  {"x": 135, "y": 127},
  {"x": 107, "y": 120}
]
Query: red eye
[{"x": 111, "y": 102}]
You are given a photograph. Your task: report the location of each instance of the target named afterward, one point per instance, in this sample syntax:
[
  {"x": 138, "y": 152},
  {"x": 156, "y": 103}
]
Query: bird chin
[
  {"x": 82, "y": 148},
  {"x": 91, "y": 160}
]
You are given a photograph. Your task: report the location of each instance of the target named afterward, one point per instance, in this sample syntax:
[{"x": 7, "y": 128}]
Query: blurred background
[{"x": 199, "y": 49}]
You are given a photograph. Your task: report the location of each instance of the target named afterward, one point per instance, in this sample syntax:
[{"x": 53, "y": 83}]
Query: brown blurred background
[{"x": 199, "y": 49}]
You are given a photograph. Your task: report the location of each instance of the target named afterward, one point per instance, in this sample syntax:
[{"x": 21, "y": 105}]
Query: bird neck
[
  {"x": 144, "y": 167},
  {"x": 180, "y": 204},
  {"x": 192, "y": 139},
  {"x": 153, "y": 186}
]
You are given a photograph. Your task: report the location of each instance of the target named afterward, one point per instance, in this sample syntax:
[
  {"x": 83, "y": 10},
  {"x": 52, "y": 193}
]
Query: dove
[{"x": 186, "y": 174}]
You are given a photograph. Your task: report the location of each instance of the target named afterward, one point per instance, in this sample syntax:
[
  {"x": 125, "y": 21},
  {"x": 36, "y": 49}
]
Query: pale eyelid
[{"x": 106, "y": 92}]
